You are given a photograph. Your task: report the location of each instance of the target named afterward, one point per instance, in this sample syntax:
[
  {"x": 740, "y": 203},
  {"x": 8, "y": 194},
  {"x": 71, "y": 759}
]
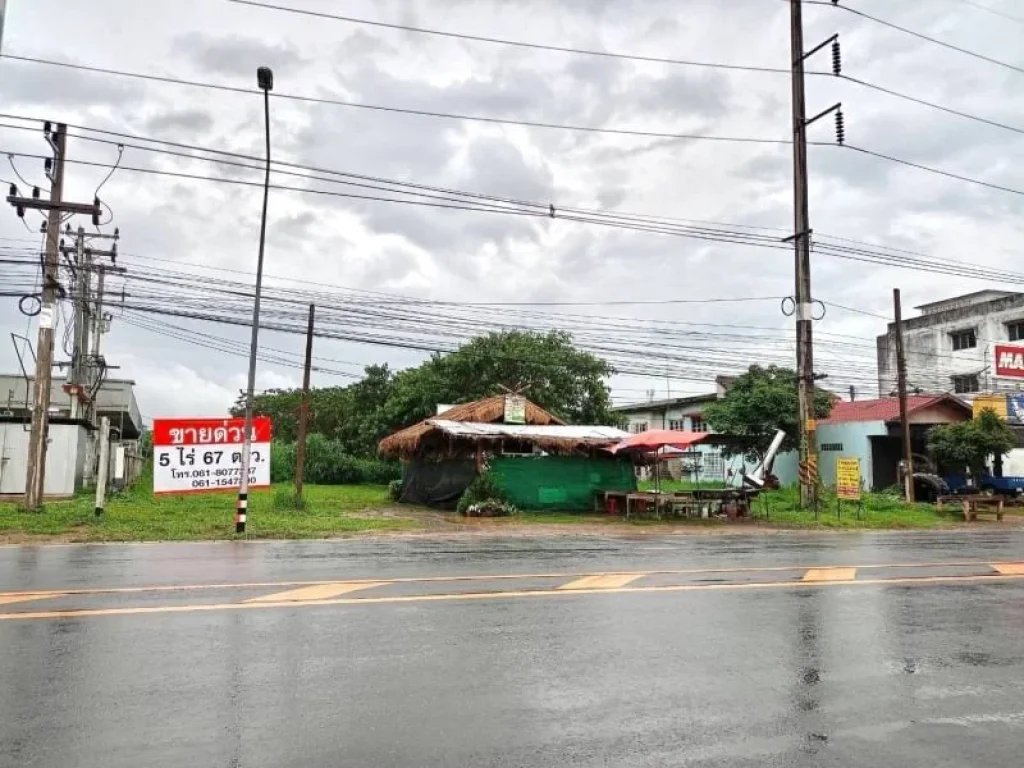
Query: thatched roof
[{"x": 408, "y": 441}]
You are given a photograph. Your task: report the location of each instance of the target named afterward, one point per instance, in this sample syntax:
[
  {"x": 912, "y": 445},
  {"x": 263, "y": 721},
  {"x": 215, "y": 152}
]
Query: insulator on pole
[
  {"x": 837, "y": 59},
  {"x": 840, "y": 127}
]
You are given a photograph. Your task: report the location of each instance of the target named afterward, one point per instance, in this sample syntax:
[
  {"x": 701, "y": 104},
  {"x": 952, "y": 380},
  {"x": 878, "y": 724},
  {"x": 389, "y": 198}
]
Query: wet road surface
[{"x": 849, "y": 650}]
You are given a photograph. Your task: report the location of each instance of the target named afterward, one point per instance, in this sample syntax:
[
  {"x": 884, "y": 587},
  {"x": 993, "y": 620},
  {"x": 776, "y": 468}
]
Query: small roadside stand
[{"x": 659, "y": 444}]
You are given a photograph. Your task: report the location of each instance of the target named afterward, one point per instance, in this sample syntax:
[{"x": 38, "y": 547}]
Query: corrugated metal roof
[
  {"x": 528, "y": 431},
  {"x": 883, "y": 409}
]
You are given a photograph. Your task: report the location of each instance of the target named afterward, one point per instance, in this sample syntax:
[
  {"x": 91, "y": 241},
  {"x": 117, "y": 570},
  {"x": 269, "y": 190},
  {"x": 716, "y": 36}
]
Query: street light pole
[{"x": 265, "y": 80}]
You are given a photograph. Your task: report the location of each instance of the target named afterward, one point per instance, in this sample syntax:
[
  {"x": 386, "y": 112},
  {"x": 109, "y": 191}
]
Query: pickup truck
[{"x": 1006, "y": 486}]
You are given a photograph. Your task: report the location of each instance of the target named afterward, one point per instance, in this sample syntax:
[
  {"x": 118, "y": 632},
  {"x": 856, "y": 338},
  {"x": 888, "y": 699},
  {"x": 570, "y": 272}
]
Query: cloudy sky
[{"x": 477, "y": 257}]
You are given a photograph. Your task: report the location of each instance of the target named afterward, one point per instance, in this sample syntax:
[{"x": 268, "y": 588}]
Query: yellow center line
[
  {"x": 830, "y": 574},
  {"x": 601, "y": 580},
  {"x": 199, "y": 607},
  {"x": 1009, "y": 569},
  {"x": 21, "y": 597},
  {"x": 316, "y": 592},
  {"x": 486, "y": 577}
]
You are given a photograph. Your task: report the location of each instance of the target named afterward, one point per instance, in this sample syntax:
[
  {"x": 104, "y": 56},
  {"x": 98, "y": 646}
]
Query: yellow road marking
[
  {"x": 316, "y": 592},
  {"x": 1009, "y": 569},
  {"x": 21, "y": 597},
  {"x": 198, "y": 607},
  {"x": 830, "y": 574},
  {"x": 603, "y": 580},
  {"x": 477, "y": 577}
]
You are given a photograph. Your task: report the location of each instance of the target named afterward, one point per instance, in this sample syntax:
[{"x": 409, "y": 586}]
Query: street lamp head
[{"x": 265, "y": 78}]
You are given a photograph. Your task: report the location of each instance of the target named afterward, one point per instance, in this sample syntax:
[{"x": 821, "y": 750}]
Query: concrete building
[
  {"x": 869, "y": 430},
  {"x": 949, "y": 345},
  {"x": 72, "y": 442},
  {"x": 685, "y": 414}
]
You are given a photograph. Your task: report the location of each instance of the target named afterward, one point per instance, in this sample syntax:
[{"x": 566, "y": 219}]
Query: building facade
[{"x": 949, "y": 346}]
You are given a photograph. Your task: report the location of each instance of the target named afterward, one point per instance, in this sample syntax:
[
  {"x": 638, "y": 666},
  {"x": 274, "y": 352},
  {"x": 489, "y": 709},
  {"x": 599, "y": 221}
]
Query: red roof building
[{"x": 938, "y": 409}]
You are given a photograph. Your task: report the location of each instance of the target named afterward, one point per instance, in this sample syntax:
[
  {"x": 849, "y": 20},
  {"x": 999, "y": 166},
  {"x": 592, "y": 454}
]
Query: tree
[
  {"x": 758, "y": 403},
  {"x": 970, "y": 444},
  {"x": 553, "y": 374},
  {"x": 549, "y": 369}
]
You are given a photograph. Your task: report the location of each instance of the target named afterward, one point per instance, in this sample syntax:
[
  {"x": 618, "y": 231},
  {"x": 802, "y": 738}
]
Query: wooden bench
[{"x": 977, "y": 504}]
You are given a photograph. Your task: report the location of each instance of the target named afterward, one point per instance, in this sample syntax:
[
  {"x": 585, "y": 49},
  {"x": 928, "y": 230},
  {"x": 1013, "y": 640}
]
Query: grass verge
[{"x": 138, "y": 515}]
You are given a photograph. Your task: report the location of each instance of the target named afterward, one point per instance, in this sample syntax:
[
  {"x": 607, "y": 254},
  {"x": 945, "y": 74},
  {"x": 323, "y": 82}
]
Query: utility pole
[
  {"x": 56, "y": 208},
  {"x": 802, "y": 243},
  {"x": 104, "y": 466},
  {"x": 300, "y": 448},
  {"x": 901, "y": 385},
  {"x": 83, "y": 280},
  {"x": 44, "y": 345},
  {"x": 803, "y": 298}
]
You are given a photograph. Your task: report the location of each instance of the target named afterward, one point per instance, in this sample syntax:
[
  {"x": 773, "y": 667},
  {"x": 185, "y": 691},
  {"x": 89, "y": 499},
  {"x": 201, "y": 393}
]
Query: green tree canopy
[
  {"x": 546, "y": 366},
  {"x": 970, "y": 444},
  {"x": 758, "y": 403}
]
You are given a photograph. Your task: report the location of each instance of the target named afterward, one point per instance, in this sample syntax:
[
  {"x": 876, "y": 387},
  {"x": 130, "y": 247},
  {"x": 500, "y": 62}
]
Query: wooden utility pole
[
  {"x": 36, "y": 474},
  {"x": 901, "y": 386},
  {"x": 802, "y": 244},
  {"x": 300, "y": 448}
]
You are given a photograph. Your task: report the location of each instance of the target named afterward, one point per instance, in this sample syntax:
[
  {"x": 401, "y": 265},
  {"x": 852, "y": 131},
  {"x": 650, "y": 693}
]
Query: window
[
  {"x": 637, "y": 427},
  {"x": 1015, "y": 331},
  {"x": 964, "y": 340},
  {"x": 676, "y": 425},
  {"x": 697, "y": 424},
  {"x": 832, "y": 447},
  {"x": 966, "y": 384},
  {"x": 516, "y": 448}
]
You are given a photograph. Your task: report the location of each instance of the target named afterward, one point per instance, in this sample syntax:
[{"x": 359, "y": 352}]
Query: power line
[
  {"x": 511, "y": 43},
  {"x": 918, "y": 35},
  {"x": 993, "y": 11},
  {"x": 636, "y": 133}
]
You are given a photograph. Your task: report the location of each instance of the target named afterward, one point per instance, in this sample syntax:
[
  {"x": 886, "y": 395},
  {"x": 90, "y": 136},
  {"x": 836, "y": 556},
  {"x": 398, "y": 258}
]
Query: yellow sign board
[
  {"x": 996, "y": 402},
  {"x": 848, "y": 479}
]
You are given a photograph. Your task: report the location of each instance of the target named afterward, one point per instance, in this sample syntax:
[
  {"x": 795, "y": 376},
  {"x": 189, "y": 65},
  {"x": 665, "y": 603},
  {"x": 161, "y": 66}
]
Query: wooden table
[{"x": 976, "y": 504}]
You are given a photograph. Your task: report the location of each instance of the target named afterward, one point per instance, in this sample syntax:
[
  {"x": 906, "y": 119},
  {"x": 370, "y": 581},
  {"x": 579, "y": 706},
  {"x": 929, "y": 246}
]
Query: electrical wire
[{"x": 992, "y": 11}]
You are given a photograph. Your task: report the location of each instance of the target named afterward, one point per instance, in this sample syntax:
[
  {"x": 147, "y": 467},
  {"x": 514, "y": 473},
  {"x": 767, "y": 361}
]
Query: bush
[
  {"x": 483, "y": 488},
  {"x": 395, "y": 490},
  {"x": 491, "y": 508},
  {"x": 286, "y": 499},
  {"x": 327, "y": 464}
]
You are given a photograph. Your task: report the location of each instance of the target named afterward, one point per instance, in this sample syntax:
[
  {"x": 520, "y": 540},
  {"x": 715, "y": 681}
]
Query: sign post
[
  {"x": 847, "y": 483},
  {"x": 205, "y": 455}
]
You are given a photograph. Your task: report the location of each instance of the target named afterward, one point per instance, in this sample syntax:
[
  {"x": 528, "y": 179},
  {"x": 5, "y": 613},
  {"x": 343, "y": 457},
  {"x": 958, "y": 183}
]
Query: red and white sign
[
  {"x": 202, "y": 455},
  {"x": 1009, "y": 361}
]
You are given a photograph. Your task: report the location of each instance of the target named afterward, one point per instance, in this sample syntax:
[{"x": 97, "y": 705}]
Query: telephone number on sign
[
  {"x": 224, "y": 472},
  {"x": 219, "y": 482}
]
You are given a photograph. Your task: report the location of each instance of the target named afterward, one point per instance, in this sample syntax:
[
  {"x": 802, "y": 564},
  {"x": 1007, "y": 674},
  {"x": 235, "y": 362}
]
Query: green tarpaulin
[{"x": 565, "y": 483}]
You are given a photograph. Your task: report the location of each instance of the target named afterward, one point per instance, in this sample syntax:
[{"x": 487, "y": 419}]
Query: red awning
[{"x": 654, "y": 439}]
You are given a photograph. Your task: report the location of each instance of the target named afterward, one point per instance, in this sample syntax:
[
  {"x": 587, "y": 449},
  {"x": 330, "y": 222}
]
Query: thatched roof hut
[{"x": 427, "y": 437}]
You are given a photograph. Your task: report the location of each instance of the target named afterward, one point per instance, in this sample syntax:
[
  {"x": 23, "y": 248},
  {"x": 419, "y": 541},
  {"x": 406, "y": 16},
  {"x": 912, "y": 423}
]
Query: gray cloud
[{"x": 237, "y": 55}]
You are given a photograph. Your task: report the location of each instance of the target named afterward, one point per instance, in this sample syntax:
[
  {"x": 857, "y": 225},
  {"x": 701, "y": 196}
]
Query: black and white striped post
[{"x": 265, "y": 80}]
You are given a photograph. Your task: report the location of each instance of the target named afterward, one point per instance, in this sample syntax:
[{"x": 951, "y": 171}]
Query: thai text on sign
[
  {"x": 202, "y": 455},
  {"x": 848, "y": 479}
]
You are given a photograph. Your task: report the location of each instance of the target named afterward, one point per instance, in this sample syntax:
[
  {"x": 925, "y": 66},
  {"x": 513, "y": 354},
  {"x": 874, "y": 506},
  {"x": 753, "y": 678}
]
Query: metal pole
[
  {"x": 802, "y": 243},
  {"x": 104, "y": 466},
  {"x": 36, "y": 471},
  {"x": 300, "y": 447},
  {"x": 265, "y": 80},
  {"x": 901, "y": 386}
]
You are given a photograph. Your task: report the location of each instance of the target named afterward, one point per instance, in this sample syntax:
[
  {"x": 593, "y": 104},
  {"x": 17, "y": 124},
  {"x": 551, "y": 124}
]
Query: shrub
[
  {"x": 327, "y": 464},
  {"x": 395, "y": 490},
  {"x": 483, "y": 488},
  {"x": 491, "y": 508},
  {"x": 287, "y": 499}
]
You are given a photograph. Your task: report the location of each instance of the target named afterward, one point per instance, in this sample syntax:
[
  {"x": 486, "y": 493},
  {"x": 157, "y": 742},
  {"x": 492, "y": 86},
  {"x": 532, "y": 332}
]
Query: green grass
[
  {"x": 138, "y": 515},
  {"x": 879, "y": 510},
  {"x": 670, "y": 486}
]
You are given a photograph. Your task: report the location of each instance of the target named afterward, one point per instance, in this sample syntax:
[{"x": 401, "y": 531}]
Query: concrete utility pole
[
  {"x": 300, "y": 448},
  {"x": 104, "y": 466},
  {"x": 802, "y": 243},
  {"x": 56, "y": 207},
  {"x": 901, "y": 386},
  {"x": 83, "y": 280}
]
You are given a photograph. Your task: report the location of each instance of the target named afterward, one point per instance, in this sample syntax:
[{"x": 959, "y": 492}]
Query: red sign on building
[{"x": 1009, "y": 361}]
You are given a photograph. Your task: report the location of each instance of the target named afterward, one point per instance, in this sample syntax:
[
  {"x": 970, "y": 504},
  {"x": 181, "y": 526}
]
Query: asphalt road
[{"x": 787, "y": 650}]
